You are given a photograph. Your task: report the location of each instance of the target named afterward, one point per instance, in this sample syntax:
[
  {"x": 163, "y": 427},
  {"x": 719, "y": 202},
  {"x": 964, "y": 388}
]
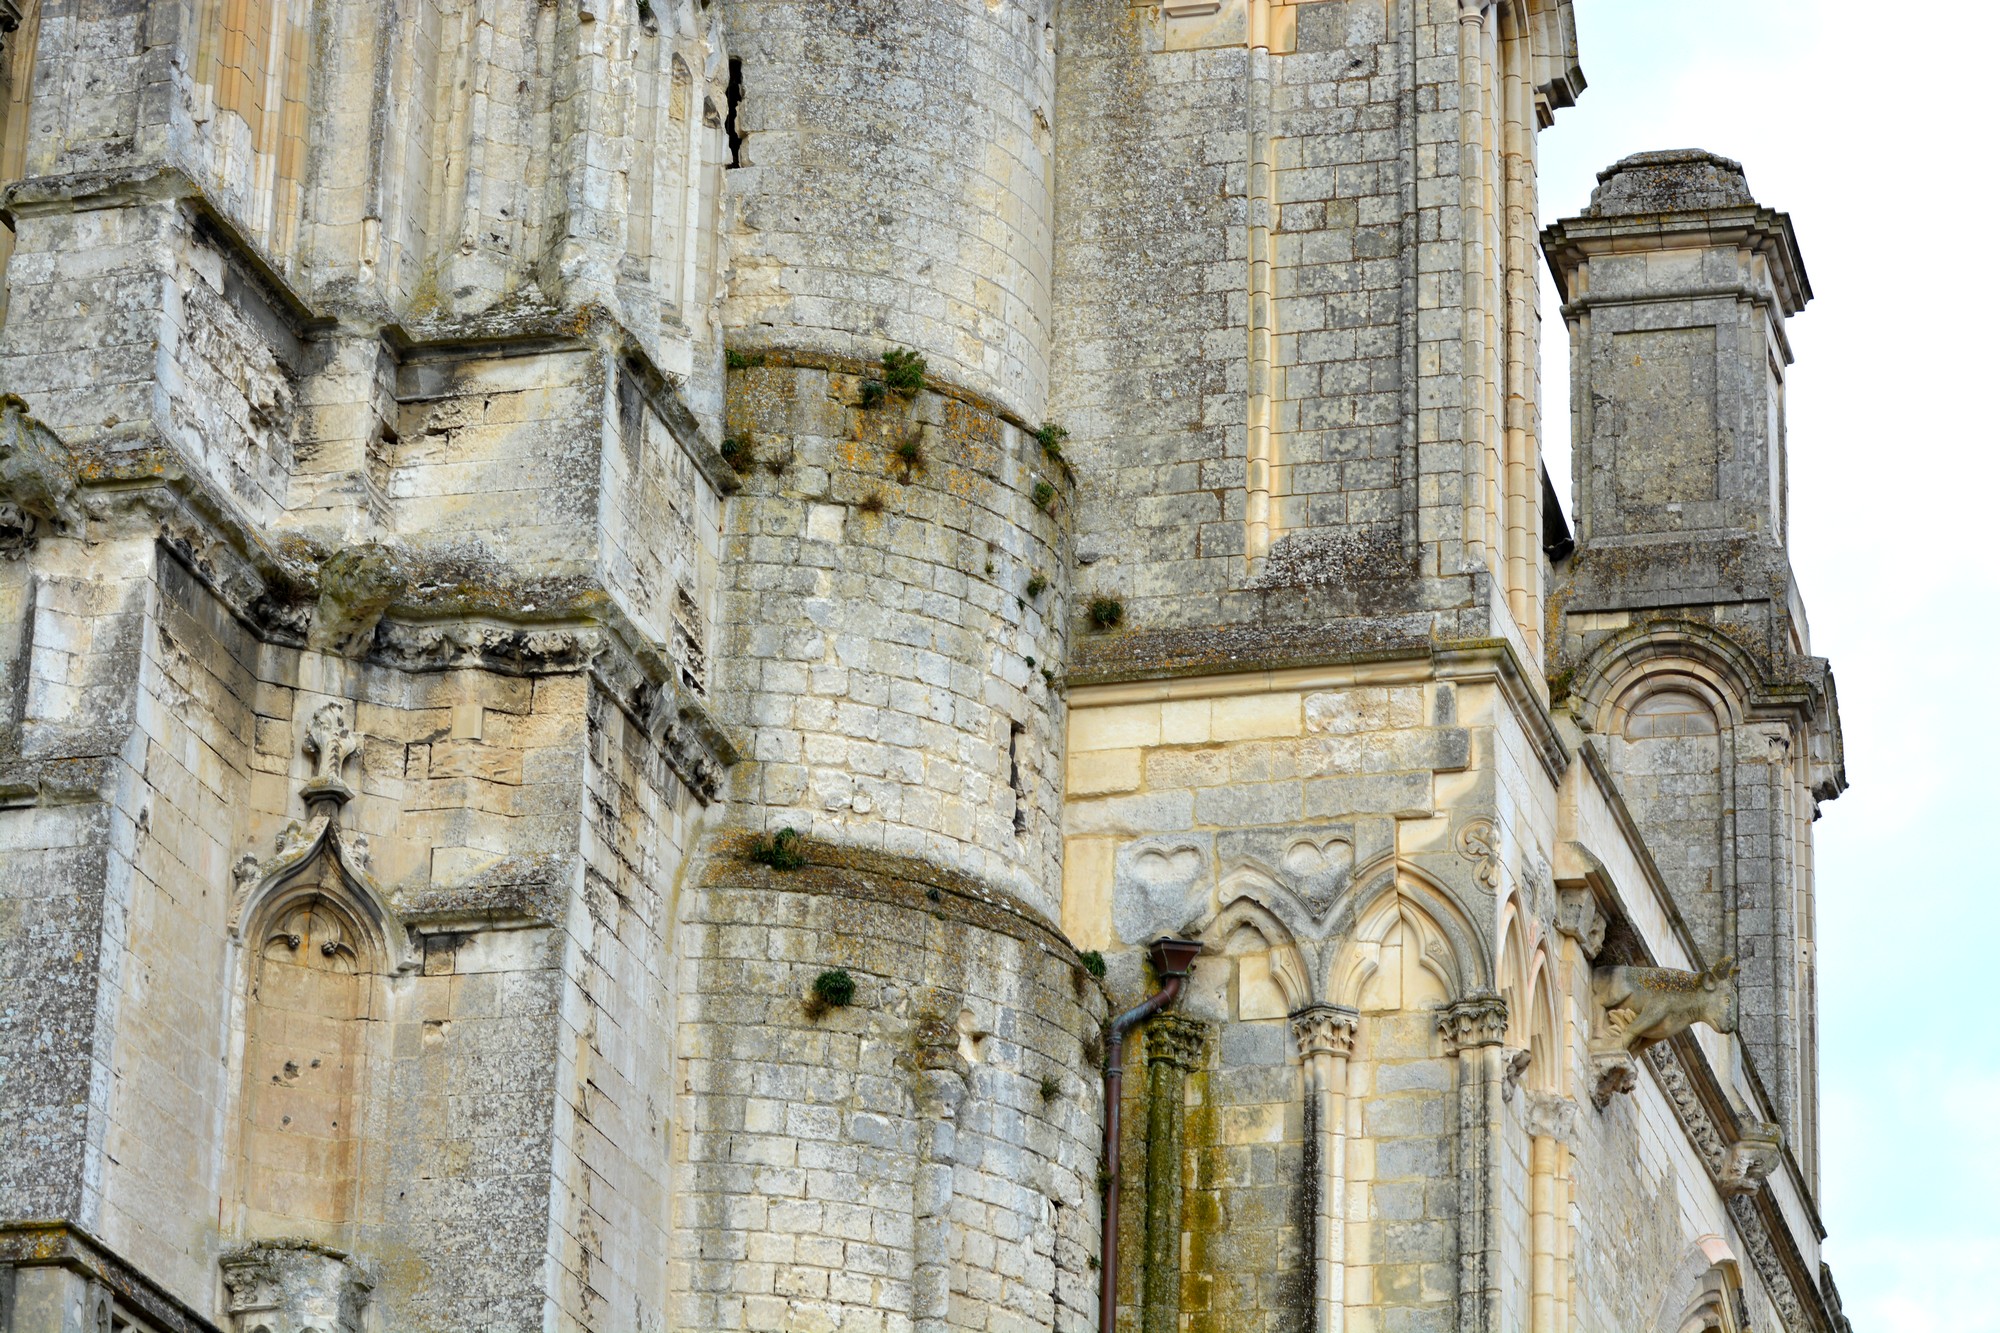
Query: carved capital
[
  {"x": 1326, "y": 1029},
  {"x": 1477, "y": 1020},
  {"x": 1751, "y": 1159},
  {"x": 1579, "y": 917},
  {"x": 1174, "y": 1039},
  {"x": 294, "y": 1284}
]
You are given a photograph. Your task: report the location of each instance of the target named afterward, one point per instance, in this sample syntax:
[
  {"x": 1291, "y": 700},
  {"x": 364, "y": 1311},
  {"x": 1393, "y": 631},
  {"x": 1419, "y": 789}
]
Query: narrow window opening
[
  {"x": 1015, "y": 732},
  {"x": 733, "y": 96}
]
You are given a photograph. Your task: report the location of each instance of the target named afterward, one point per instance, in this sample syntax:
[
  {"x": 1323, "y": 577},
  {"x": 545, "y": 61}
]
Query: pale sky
[{"x": 1877, "y": 140}]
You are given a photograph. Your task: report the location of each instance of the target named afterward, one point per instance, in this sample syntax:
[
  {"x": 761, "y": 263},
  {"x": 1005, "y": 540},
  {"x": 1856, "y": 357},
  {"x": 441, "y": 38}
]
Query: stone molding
[
  {"x": 1746, "y": 1207},
  {"x": 58, "y": 1243},
  {"x": 1326, "y": 1029},
  {"x": 1478, "y": 1020}
]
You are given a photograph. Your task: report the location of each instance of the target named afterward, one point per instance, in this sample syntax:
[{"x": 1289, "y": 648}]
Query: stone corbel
[
  {"x": 1579, "y": 917},
  {"x": 1749, "y": 1161},
  {"x": 1548, "y": 1115},
  {"x": 294, "y": 1286},
  {"x": 355, "y": 587},
  {"x": 37, "y": 480},
  {"x": 1514, "y": 1063},
  {"x": 1611, "y": 1072}
]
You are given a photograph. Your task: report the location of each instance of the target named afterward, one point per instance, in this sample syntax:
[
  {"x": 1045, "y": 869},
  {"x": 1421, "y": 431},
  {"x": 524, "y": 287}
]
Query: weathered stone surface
[{"x": 602, "y": 604}]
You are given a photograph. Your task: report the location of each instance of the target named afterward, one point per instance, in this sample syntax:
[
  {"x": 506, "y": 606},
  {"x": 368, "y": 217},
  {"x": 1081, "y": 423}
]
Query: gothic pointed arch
[
  {"x": 1287, "y": 968},
  {"x": 1705, "y": 1294},
  {"x": 1399, "y": 898},
  {"x": 316, "y": 941}
]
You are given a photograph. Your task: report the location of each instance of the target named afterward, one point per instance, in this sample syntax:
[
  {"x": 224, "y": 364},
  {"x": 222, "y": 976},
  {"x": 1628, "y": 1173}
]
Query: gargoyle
[
  {"x": 1644, "y": 1005},
  {"x": 356, "y": 587}
]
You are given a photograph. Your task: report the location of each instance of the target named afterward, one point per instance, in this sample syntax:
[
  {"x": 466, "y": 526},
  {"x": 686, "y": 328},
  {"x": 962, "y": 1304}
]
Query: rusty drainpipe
[{"x": 1172, "y": 960}]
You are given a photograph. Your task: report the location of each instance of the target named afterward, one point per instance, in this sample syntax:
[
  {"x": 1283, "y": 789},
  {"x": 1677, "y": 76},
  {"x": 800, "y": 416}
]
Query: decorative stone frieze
[
  {"x": 1326, "y": 1029},
  {"x": 1477, "y": 1020}
]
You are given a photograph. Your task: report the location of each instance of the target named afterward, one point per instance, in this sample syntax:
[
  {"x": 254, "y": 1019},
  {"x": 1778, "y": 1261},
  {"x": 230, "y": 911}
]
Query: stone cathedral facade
[{"x": 624, "y": 622}]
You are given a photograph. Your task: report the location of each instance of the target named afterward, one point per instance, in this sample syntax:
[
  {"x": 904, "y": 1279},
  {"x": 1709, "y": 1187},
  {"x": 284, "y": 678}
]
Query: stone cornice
[
  {"x": 1692, "y": 1089},
  {"x": 58, "y": 1243},
  {"x": 1487, "y": 660}
]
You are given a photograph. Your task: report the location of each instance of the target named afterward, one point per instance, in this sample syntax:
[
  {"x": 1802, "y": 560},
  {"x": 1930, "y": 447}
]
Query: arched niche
[
  {"x": 316, "y": 946},
  {"x": 1402, "y": 943},
  {"x": 1251, "y": 967},
  {"x": 1528, "y": 985},
  {"x": 1706, "y": 1292}
]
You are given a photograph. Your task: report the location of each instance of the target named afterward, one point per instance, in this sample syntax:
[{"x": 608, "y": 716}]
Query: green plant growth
[
  {"x": 872, "y": 394},
  {"x": 1044, "y": 496},
  {"x": 1037, "y": 585},
  {"x": 903, "y": 371},
  {"x": 910, "y": 453},
  {"x": 831, "y": 989},
  {"x": 738, "y": 452},
  {"x": 834, "y": 987},
  {"x": 736, "y": 360},
  {"x": 782, "y": 850},
  {"x": 1093, "y": 963},
  {"x": 1106, "y": 613},
  {"x": 1051, "y": 437},
  {"x": 1051, "y": 1087}
]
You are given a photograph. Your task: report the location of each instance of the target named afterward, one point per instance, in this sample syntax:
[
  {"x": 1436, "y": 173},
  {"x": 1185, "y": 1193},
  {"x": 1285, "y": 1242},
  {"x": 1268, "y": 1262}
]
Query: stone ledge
[
  {"x": 58, "y": 1243},
  {"x": 886, "y": 878}
]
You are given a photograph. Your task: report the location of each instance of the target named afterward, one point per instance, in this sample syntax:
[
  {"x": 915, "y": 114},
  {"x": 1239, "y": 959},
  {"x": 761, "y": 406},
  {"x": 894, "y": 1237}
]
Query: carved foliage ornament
[
  {"x": 331, "y": 742},
  {"x": 1326, "y": 1029},
  {"x": 1177, "y": 1040},
  {"x": 1476, "y": 844},
  {"x": 1477, "y": 1020}
]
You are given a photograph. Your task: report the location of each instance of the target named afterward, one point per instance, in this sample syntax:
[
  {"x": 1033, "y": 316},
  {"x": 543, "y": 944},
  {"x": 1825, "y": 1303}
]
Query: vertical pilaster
[
  {"x": 1474, "y": 1028},
  {"x": 1174, "y": 1047},
  {"x": 1262, "y": 439},
  {"x": 938, "y": 1088},
  {"x": 1325, "y": 1033}
]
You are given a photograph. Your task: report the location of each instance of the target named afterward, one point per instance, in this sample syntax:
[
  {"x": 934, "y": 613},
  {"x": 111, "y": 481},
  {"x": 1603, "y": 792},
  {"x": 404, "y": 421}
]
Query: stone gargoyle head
[{"x": 1644, "y": 1005}]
